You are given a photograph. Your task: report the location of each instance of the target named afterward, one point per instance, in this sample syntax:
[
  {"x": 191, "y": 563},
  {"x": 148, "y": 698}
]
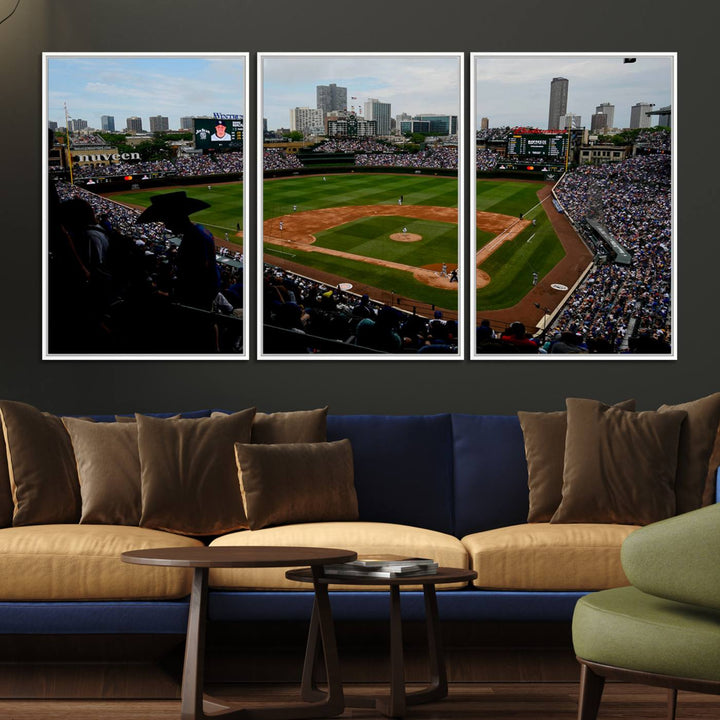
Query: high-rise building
[
  {"x": 186, "y": 123},
  {"x": 484, "y": 123},
  {"x": 599, "y": 122},
  {"x": 380, "y": 112},
  {"x": 107, "y": 123},
  {"x": 331, "y": 97},
  {"x": 609, "y": 110},
  {"x": 308, "y": 121},
  {"x": 159, "y": 123},
  {"x": 52, "y": 125},
  {"x": 639, "y": 117},
  {"x": 558, "y": 101},
  {"x": 78, "y": 124},
  {"x": 134, "y": 124},
  {"x": 439, "y": 124},
  {"x": 574, "y": 121}
]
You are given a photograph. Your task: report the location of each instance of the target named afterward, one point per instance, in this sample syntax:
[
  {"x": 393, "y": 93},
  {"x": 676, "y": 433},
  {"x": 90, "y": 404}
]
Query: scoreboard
[
  {"x": 539, "y": 146},
  {"x": 217, "y": 134}
]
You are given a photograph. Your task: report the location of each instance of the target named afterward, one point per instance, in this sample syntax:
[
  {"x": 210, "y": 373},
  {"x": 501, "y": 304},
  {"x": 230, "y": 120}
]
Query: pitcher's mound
[{"x": 405, "y": 237}]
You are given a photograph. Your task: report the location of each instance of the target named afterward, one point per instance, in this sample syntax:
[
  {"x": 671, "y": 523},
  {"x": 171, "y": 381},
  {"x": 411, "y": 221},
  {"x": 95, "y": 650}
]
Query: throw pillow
[
  {"x": 620, "y": 466},
  {"x": 697, "y": 439},
  {"x": 188, "y": 476},
  {"x": 297, "y": 426},
  {"x": 108, "y": 466},
  {"x": 297, "y": 483},
  {"x": 41, "y": 466},
  {"x": 544, "y": 435},
  {"x": 6, "y": 500}
]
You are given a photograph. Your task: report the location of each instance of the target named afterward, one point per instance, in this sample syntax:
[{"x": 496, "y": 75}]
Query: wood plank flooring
[{"x": 476, "y": 701}]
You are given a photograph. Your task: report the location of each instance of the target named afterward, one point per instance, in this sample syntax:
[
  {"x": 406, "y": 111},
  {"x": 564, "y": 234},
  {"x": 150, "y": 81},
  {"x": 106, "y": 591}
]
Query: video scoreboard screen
[
  {"x": 551, "y": 147},
  {"x": 218, "y": 133}
]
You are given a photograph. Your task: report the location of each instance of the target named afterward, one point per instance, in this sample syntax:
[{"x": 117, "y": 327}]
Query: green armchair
[{"x": 664, "y": 629}]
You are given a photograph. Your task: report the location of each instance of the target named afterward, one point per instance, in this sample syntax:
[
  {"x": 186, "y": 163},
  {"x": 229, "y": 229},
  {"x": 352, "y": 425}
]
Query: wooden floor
[{"x": 476, "y": 701}]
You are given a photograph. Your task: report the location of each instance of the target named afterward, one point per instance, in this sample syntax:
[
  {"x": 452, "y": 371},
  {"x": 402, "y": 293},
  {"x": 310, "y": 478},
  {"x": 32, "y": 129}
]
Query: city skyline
[
  {"x": 126, "y": 86},
  {"x": 515, "y": 90},
  {"x": 412, "y": 84}
]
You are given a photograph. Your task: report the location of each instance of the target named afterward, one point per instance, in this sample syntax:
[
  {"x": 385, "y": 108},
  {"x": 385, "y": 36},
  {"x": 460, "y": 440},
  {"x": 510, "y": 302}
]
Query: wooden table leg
[
  {"x": 394, "y": 706},
  {"x": 194, "y": 667}
]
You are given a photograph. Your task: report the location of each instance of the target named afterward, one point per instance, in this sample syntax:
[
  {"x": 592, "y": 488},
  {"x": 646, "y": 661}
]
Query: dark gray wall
[{"x": 350, "y": 387}]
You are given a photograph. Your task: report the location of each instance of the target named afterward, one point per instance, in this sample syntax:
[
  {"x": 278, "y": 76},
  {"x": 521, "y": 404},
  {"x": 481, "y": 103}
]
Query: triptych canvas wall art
[{"x": 393, "y": 220}]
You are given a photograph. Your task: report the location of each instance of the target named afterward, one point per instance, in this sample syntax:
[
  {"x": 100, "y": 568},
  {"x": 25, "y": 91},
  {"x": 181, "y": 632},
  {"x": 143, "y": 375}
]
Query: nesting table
[
  {"x": 393, "y": 705},
  {"x": 196, "y": 707}
]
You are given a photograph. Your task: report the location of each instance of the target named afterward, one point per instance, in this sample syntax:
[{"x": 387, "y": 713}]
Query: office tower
[
  {"x": 77, "y": 125},
  {"x": 599, "y": 122},
  {"x": 52, "y": 125},
  {"x": 186, "y": 123},
  {"x": 484, "y": 123},
  {"x": 609, "y": 110},
  {"x": 331, "y": 97},
  {"x": 639, "y": 117},
  {"x": 107, "y": 123},
  {"x": 134, "y": 124},
  {"x": 308, "y": 121},
  {"x": 159, "y": 123},
  {"x": 439, "y": 124},
  {"x": 380, "y": 112},
  {"x": 575, "y": 121},
  {"x": 558, "y": 101}
]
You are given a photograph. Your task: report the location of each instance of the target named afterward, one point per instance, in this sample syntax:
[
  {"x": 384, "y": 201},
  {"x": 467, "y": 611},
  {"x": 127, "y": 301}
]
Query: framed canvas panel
[
  {"x": 144, "y": 196},
  {"x": 573, "y": 206},
  {"x": 360, "y": 206}
]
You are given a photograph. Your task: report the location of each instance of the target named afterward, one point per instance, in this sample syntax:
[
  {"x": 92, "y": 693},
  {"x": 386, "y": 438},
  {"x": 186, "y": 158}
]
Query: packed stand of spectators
[
  {"x": 625, "y": 307},
  {"x": 229, "y": 162},
  {"x": 493, "y": 134},
  {"x": 312, "y": 308},
  {"x": 163, "y": 167},
  {"x": 487, "y": 160},
  {"x": 86, "y": 140},
  {"x": 113, "y": 284},
  {"x": 277, "y": 159},
  {"x": 432, "y": 158},
  {"x": 184, "y": 165},
  {"x": 353, "y": 145}
]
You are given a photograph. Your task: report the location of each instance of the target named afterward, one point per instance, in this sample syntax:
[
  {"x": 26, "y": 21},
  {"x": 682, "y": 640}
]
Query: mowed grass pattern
[
  {"x": 223, "y": 215},
  {"x": 370, "y": 237},
  {"x": 536, "y": 249},
  {"x": 311, "y": 192}
]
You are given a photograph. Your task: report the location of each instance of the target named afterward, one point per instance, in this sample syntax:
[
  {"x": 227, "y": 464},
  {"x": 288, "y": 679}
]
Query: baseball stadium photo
[
  {"x": 360, "y": 207},
  {"x": 573, "y": 239},
  {"x": 145, "y": 201}
]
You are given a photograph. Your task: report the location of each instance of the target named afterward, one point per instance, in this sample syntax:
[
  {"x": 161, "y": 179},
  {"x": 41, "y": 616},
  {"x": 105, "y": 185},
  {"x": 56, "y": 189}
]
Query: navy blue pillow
[
  {"x": 491, "y": 477},
  {"x": 403, "y": 467}
]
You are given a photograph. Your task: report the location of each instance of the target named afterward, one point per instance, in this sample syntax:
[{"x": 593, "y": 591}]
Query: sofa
[{"x": 453, "y": 487}]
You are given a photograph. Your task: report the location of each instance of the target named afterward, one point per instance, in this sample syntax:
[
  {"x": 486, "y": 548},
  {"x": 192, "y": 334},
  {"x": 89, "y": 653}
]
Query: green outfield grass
[
  {"x": 535, "y": 249},
  {"x": 225, "y": 199},
  {"x": 370, "y": 237},
  {"x": 311, "y": 192},
  {"x": 401, "y": 283}
]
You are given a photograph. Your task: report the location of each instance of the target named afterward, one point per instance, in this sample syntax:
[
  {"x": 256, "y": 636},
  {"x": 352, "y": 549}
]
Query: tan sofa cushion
[
  {"x": 545, "y": 556},
  {"x": 82, "y": 562},
  {"x": 365, "y": 538}
]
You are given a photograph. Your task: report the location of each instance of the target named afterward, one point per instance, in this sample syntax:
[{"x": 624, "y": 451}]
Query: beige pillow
[
  {"x": 108, "y": 466},
  {"x": 544, "y": 435},
  {"x": 41, "y": 466},
  {"x": 620, "y": 466},
  {"x": 188, "y": 474},
  {"x": 697, "y": 439},
  {"x": 297, "y": 483},
  {"x": 297, "y": 426}
]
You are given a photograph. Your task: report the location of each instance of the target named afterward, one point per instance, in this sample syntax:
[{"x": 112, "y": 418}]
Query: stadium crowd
[
  {"x": 432, "y": 158},
  {"x": 184, "y": 165},
  {"x": 487, "y": 159},
  {"x": 625, "y": 308},
  {"x": 353, "y": 145},
  {"x": 277, "y": 159},
  {"x": 114, "y": 283},
  {"x": 308, "y": 307},
  {"x": 91, "y": 139}
]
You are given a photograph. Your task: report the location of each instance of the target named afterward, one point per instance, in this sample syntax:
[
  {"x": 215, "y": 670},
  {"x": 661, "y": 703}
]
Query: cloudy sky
[
  {"x": 513, "y": 90},
  {"x": 124, "y": 86},
  {"x": 411, "y": 84}
]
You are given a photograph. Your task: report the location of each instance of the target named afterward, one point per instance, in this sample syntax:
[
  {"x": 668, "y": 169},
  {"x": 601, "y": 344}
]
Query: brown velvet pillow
[
  {"x": 41, "y": 466},
  {"x": 108, "y": 465},
  {"x": 297, "y": 426},
  {"x": 620, "y": 466},
  {"x": 6, "y": 500},
  {"x": 188, "y": 475},
  {"x": 697, "y": 439},
  {"x": 544, "y": 434},
  {"x": 297, "y": 483}
]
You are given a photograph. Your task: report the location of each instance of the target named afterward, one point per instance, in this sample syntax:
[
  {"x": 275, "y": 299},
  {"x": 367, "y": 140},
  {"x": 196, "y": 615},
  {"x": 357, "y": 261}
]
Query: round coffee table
[
  {"x": 193, "y": 705},
  {"x": 395, "y": 704}
]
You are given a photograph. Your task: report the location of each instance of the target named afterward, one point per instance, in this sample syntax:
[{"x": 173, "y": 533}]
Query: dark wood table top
[
  {"x": 238, "y": 557},
  {"x": 443, "y": 575}
]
